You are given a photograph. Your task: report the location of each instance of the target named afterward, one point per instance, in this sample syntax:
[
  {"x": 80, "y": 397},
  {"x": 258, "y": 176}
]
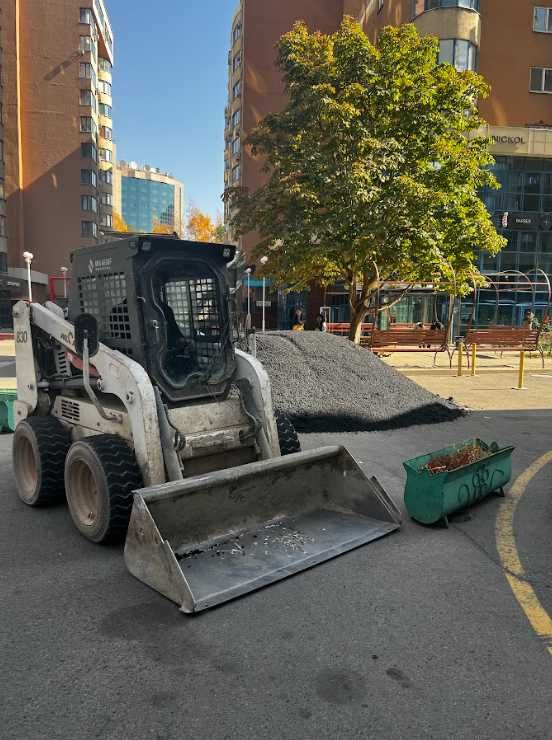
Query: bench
[
  {"x": 399, "y": 338},
  {"x": 405, "y": 339},
  {"x": 504, "y": 338},
  {"x": 343, "y": 328}
]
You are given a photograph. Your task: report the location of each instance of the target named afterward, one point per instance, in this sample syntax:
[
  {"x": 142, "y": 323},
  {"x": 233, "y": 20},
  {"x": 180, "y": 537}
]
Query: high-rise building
[
  {"x": 57, "y": 130},
  {"x": 507, "y": 41},
  {"x": 146, "y": 200}
]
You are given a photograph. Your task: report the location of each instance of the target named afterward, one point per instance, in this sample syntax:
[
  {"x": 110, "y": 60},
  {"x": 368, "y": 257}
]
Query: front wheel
[
  {"x": 101, "y": 473},
  {"x": 287, "y": 436}
]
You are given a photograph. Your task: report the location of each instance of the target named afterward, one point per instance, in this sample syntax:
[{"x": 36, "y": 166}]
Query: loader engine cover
[{"x": 164, "y": 303}]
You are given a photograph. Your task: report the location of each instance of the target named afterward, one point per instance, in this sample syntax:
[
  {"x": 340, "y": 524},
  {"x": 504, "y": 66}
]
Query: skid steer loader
[{"x": 139, "y": 410}]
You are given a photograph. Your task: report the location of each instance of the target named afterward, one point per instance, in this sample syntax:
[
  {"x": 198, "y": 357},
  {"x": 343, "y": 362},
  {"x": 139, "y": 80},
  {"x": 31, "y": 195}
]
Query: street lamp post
[
  {"x": 248, "y": 319},
  {"x": 64, "y": 273},
  {"x": 28, "y": 257},
  {"x": 263, "y": 262}
]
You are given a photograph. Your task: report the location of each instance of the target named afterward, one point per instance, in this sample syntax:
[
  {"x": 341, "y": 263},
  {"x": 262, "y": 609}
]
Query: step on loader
[{"x": 137, "y": 408}]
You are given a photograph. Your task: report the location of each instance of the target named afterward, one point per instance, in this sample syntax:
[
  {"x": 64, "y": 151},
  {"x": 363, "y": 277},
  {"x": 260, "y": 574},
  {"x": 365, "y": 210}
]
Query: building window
[
  {"x": 236, "y": 33},
  {"x": 106, "y": 176},
  {"x": 236, "y": 118},
  {"x": 88, "y": 98},
  {"x": 89, "y": 203},
  {"x": 105, "y": 65},
  {"x": 86, "y": 16},
  {"x": 236, "y": 146},
  {"x": 106, "y": 110},
  {"x": 470, "y": 4},
  {"x": 89, "y": 229},
  {"x": 86, "y": 44},
  {"x": 236, "y": 173},
  {"x": 2, "y": 190},
  {"x": 87, "y": 125},
  {"x": 105, "y": 87},
  {"x": 107, "y": 220},
  {"x": 106, "y": 132},
  {"x": 542, "y": 19},
  {"x": 89, "y": 151},
  {"x": 3, "y": 226},
  {"x": 541, "y": 80},
  {"x": 107, "y": 199},
  {"x": 236, "y": 90},
  {"x": 458, "y": 52},
  {"x": 380, "y": 5},
  {"x": 89, "y": 177},
  {"x": 86, "y": 71},
  {"x": 236, "y": 64},
  {"x": 106, "y": 155}
]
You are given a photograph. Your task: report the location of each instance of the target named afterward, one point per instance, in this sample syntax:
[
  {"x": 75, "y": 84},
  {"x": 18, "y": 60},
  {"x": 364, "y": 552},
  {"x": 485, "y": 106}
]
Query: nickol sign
[{"x": 512, "y": 140}]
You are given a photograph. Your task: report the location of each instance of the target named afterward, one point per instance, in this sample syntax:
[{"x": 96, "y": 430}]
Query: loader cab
[{"x": 165, "y": 303}]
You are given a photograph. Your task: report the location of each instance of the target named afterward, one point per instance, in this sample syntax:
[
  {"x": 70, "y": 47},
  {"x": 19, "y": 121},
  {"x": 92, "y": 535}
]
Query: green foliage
[{"x": 373, "y": 167}]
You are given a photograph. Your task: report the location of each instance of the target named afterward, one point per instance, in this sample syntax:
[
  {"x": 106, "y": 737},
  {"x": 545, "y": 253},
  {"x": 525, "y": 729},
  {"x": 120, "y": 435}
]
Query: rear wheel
[
  {"x": 40, "y": 444},
  {"x": 287, "y": 436},
  {"x": 101, "y": 473}
]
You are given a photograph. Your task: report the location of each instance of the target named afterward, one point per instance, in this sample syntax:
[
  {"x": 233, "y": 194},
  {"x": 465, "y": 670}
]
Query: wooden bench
[
  {"x": 504, "y": 338},
  {"x": 405, "y": 339},
  {"x": 343, "y": 328},
  {"x": 399, "y": 338}
]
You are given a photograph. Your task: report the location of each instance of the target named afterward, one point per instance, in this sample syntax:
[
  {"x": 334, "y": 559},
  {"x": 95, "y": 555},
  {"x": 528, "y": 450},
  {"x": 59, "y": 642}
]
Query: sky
[{"x": 169, "y": 90}]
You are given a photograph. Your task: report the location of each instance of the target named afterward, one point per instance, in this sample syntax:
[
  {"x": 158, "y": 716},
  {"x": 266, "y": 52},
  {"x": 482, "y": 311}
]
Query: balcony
[
  {"x": 447, "y": 21},
  {"x": 422, "y": 6},
  {"x": 105, "y": 31}
]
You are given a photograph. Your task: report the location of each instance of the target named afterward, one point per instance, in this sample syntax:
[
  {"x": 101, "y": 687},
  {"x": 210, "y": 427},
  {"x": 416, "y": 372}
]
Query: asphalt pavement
[{"x": 417, "y": 635}]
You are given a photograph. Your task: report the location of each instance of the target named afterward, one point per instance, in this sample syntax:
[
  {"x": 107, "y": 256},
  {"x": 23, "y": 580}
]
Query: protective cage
[{"x": 164, "y": 303}]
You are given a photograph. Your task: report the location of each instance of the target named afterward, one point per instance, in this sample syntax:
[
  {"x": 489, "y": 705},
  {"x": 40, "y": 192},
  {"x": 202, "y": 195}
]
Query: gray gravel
[{"x": 324, "y": 383}]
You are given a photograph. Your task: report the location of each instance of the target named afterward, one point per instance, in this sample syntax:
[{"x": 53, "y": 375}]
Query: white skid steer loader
[{"x": 138, "y": 409}]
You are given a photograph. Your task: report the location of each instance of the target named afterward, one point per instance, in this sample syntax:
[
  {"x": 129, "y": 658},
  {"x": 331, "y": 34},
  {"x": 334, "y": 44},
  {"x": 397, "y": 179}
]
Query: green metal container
[
  {"x": 431, "y": 497},
  {"x": 7, "y": 414}
]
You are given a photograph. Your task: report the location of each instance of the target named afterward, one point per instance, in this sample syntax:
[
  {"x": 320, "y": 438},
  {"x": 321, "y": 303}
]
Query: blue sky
[{"x": 169, "y": 89}]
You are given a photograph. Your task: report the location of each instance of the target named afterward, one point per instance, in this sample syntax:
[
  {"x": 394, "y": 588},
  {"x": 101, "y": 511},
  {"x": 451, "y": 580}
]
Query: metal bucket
[{"x": 209, "y": 539}]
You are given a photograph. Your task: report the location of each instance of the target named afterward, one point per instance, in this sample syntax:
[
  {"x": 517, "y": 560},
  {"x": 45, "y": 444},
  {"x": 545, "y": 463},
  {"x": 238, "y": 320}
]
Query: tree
[
  {"x": 119, "y": 224},
  {"x": 201, "y": 227},
  {"x": 373, "y": 168},
  {"x": 159, "y": 228},
  {"x": 219, "y": 233}
]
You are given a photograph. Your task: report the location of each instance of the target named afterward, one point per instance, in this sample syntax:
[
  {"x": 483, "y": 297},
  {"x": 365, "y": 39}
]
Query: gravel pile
[{"x": 324, "y": 383}]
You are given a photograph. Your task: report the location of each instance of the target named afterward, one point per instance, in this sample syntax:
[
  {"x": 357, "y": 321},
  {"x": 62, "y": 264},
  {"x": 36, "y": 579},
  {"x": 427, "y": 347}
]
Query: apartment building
[
  {"x": 57, "y": 130},
  {"x": 147, "y": 199},
  {"x": 507, "y": 41}
]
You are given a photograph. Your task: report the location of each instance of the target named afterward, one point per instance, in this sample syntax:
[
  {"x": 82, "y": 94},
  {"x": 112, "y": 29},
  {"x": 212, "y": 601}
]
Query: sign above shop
[
  {"x": 528, "y": 221},
  {"x": 513, "y": 140}
]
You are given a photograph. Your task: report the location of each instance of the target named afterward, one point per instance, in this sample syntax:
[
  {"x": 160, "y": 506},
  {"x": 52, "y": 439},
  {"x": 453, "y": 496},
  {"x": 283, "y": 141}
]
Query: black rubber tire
[
  {"x": 287, "y": 436},
  {"x": 101, "y": 473},
  {"x": 40, "y": 445}
]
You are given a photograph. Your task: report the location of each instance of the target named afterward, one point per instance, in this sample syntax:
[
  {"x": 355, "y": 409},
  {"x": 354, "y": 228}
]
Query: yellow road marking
[{"x": 538, "y": 617}]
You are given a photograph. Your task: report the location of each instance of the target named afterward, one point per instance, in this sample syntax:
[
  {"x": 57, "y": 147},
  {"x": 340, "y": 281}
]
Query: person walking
[{"x": 320, "y": 322}]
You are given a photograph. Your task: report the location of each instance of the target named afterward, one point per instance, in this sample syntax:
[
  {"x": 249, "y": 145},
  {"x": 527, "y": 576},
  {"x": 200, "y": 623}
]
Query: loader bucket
[{"x": 208, "y": 539}]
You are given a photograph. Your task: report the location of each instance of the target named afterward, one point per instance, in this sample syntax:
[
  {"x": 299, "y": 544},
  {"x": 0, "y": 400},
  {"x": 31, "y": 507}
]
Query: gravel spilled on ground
[{"x": 324, "y": 383}]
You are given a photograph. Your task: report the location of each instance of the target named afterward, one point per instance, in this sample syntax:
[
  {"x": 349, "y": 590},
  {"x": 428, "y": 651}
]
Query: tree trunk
[
  {"x": 359, "y": 303},
  {"x": 357, "y": 317}
]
